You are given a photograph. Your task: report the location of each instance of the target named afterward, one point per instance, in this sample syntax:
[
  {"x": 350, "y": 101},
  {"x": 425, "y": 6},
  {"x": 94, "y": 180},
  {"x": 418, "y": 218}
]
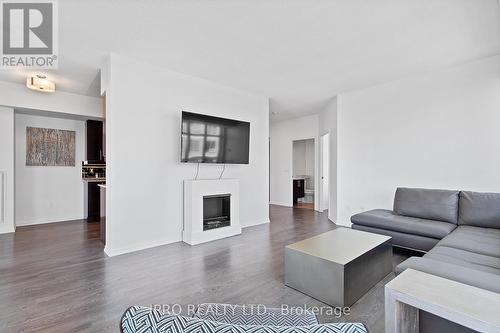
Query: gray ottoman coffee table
[{"x": 339, "y": 266}]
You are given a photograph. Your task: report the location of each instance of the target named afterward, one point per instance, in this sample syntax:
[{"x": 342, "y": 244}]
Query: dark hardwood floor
[
  {"x": 56, "y": 277},
  {"x": 304, "y": 205}
]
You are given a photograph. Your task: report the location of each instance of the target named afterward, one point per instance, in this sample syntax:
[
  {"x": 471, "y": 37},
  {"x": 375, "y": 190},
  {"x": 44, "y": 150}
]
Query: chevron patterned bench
[
  {"x": 255, "y": 315},
  {"x": 139, "y": 319}
]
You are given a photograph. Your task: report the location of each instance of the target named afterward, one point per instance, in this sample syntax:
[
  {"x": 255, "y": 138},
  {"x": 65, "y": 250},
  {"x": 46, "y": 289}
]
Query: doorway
[
  {"x": 325, "y": 172},
  {"x": 303, "y": 171}
]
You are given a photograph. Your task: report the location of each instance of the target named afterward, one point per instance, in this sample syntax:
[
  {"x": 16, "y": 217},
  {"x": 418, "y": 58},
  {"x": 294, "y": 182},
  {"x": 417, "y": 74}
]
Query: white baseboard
[
  {"x": 44, "y": 221},
  {"x": 7, "y": 230},
  {"x": 252, "y": 224},
  {"x": 280, "y": 204},
  {"x": 343, "y": 223},
  {"x": 210, "y": 235},
  {"x": 111, "y": 252}
]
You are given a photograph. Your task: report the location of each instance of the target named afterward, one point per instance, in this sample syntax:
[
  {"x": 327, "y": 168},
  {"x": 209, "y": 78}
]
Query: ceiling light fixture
[{"x": 40, "y": 83}]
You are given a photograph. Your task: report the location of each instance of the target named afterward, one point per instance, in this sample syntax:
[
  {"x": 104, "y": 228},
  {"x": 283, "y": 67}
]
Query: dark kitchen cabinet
[
  {"x": 95, "y": 156},
  {"x": 94, "y": 202},
  {"x": 95, "y": 151},
  {"x": 298, "y": 189}
]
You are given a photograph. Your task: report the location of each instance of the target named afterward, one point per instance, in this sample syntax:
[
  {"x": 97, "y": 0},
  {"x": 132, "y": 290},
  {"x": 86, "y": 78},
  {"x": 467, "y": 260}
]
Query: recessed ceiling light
[{"x": 40, "y": 83}]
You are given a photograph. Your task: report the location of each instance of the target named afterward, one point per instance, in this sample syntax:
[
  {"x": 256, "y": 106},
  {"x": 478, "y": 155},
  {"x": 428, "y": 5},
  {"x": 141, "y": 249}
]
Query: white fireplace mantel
[{"x": 194, "y": 191}]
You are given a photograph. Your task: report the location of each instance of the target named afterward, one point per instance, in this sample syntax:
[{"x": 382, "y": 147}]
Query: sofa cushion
[
  {"x": 386, "y": 219},
  {"x": 137, "y": 319},
  {"x": 464, "y": 258},
  {"x": 401, "y": 239},
  {"x": 479, "y": 209},
  {"x": 440, "y": 205},
  {"x": 472, "y": 277},
  {"x": 484, "y": 241}
]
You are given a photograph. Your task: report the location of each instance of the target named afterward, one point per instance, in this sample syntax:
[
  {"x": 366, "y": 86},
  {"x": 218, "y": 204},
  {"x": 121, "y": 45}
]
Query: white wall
[
  {"x": 303, "y": 160},
  {"x": 310, "y": 166},
  {"x": 328, "y": 124},
  {"x": 144, "y": 175},
  {"x": 20, "y": 97},
  {"x": 6, "y": 170},
  {"x": 48, "y": 193},
  {"x": 283, "y": 134},
  {"x": 437, "y": 130},
  {"x": 299, "y": 158}
]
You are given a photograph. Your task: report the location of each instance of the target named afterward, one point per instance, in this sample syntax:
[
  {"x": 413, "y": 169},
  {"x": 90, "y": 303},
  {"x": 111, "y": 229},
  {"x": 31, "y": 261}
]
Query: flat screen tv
[{"x": 207, "y": 139}]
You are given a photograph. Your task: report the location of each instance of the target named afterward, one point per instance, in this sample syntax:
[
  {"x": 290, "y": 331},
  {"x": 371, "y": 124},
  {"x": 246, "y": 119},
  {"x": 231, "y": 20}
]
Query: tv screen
[{"x": 207, "y": 139}]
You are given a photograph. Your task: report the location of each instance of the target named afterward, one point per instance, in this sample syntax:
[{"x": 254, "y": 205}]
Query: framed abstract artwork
[{"x": 49, "y": 147}]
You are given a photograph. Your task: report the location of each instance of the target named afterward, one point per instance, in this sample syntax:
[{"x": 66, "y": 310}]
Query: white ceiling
[{"x": 299, "y": 53}]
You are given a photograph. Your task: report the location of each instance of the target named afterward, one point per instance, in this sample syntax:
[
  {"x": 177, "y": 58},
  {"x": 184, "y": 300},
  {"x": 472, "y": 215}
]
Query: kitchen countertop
[{"x": 94, "y": 179}]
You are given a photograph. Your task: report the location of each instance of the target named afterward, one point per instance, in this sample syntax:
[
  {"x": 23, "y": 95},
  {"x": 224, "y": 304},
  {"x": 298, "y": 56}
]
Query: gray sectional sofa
[
  {"x": 420, "y": 219},
  {"x": 458, "y": 230}
]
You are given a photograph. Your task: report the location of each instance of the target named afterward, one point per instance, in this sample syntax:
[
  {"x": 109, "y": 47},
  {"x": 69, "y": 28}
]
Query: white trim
[
  {"x": 138, "y": 247},
  {"x": 279, "y": 203},
  {"x": 2, "y": 194},
  {"x": 322, "y": 172},
  {"x": 316, "y": 172},
  {"x": 330, "y": 217},
  {"x": 8, "y": 230},
  {"x": 45, "y": 221},
  {"x": 253, "y": 224},
  {"x": 343, "y": 223}
]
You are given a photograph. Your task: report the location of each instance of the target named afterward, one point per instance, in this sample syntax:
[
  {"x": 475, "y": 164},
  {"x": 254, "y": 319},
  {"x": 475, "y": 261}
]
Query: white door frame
[
  {"x": 316, "y": 170},
  {"x": 324, "y": 182}
]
